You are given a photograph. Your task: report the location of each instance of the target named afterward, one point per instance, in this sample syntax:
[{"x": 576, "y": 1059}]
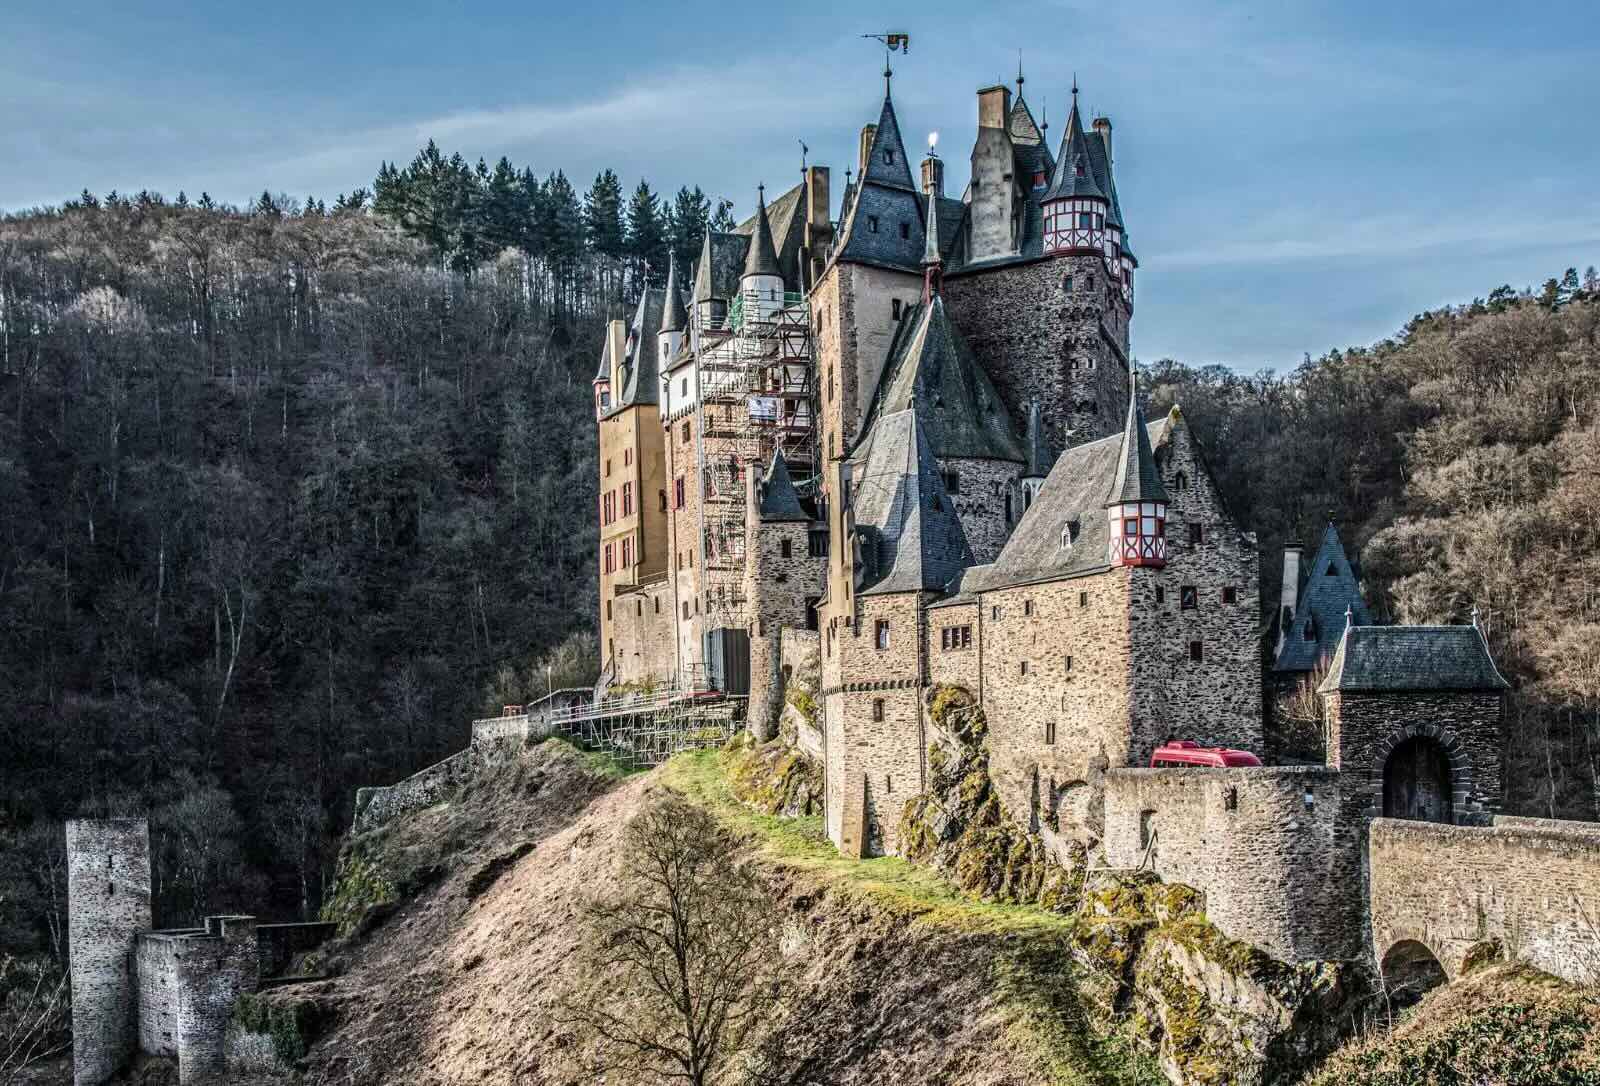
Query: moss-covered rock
[
  {"x": 774, "y": 778},
  {"x": 291, "y": 1024}
]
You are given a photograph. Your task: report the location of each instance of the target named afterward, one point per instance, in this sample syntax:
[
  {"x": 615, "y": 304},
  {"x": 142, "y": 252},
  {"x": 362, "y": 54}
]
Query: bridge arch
[
  {"x": 1420, "y": 772},
  {"x": 1410, "y": 970}
]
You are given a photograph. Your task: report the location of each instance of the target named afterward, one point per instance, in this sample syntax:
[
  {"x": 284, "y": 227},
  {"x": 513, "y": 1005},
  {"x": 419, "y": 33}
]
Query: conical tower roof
[
  {"x": 762, "y": 258},
  {"x": 911, "y": 537},
  {"x": 1074, "y": 174},
  {"x": 1137, "y": 479},
  {"x": 779, "y": 499},
  {"x": 887, "y": 164},
  {"x": 674, "y": 317}
]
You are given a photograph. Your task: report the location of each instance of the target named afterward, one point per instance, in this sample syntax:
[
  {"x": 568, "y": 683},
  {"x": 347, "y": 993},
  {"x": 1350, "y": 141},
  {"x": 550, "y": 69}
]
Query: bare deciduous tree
[{"x": 680, "y": 961}]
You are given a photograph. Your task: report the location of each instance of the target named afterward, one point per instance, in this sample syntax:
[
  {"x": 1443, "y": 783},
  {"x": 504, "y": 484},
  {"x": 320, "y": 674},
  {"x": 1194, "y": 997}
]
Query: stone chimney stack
[
  {"x": 933, "y": 176},
  {"x": 1289, "y": 597},
  {"x": 868, "y": 134},
  {"x": 1102, "y": 125},
  {"x": 819, "y": 227},
  {"x": 994, "y": 106},
  {"x": 992, "y": 214}
]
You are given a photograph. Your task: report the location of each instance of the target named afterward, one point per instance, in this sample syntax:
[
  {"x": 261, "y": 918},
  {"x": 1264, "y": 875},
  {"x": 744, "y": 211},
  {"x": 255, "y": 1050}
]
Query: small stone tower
[{"x": 108, "y": 904}]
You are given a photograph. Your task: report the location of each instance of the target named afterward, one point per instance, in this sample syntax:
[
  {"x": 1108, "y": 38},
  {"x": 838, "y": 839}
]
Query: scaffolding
[
  {"x": 644, "y": 729},
  {"x": 757, "y": 395}
]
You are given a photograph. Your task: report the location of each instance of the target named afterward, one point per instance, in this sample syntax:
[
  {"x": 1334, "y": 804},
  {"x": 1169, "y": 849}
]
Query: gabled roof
[
  {"x": 1068, "y": 181},
  {"x": 1318, "y": 622},
  {"x": 910, "y": 537},
  {"x": 1412, "y": 658},
  {"x": 1021, "y": 123},
  {"x": 640, "y": 378},
  {"x": 1137, "y": 479},
  {"x": 1038, "y": 449},
  {"x": 762, "y": 257},
  {"x": 1072, "y": 501},
  {"x": 779, "y": 499},
  {"x": 674, "y": 318},
  {"x": 932, "y": 370},
  {"x": 716, "y": 273}
]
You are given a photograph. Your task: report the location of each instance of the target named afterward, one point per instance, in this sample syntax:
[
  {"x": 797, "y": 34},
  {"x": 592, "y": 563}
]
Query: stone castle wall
[
  {"x": 1270, "y": 848},
  {"x": 375, "y": 806},
  {"x": 108, "y": 903},
  {"x": 156, "y": 958},
  {"x": 777, "y": 588},
  {"x": 988, "y": 503},
  {"x": 1363, "y": 729},
  {"x": 1533, "y": 884},
  {"x": 643, "y": 631},
  {"x": 954, "y": 666},
  {"x": 1036, "y": 338},
  {"x": 213, "y": 970}
]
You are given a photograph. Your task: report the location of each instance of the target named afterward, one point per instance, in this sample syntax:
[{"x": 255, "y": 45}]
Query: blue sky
[{"x": 1296, "y": 176}]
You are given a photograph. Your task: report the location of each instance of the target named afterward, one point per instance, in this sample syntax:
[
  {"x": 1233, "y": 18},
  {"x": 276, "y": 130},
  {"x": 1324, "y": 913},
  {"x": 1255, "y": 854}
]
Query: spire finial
[
  {"x": 1475, "y": 615},
  {"x": 1349, "y": 616},
  {"x": 1020, "y": 79},
  {"x": 1044, "y": 117},
  {"x": 1074, "y": 89},
  {"x": 888, "y": 71}
]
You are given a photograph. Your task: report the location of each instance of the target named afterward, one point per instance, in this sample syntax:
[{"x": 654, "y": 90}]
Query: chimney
[
  {"x": 868, "y": 134},
  {"x": 817, "y": 199},
  {"x": 994, "y": 106},
  {"x": 1289, "y": 598},
  {"x": 933, "y": 176},
  {"x": 819, "y": 228},
  {"x": 1102, "y": 125}
]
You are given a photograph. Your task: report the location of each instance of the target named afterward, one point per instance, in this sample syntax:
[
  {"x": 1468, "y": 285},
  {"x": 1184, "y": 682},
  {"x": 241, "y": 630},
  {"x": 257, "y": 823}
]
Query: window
[
  {"x": 1085, "y": 219},
  {"x": 626, "y": 550},
  {"x": 1023, "y": 669},
  {"x": 608, "y": 467},
  {"x": 627, "y": 457},
  {"x": 894, "y": 308},
  {"x": 638, "y": 607},
  {"x": 1050, "y": 733},
  {"x": 994, "y": 613},
  {"x": 905, "y": 231},
  {"x": 1083, "y": 599},
  {"x": 1330, "y": 571},
  {"x": 685, "y": 387},
  {"x": 627, "y": 499},
  {"x": 1196, "y": 532},
  {"x": 662, "y": 494},
  {"x": 872, "y": 224},
  {"x": 1066, "y": 664},
  {"x": 785, "y": 549},
  {"x": 1197, "y": 652},
  {"x": 1066, "y": 284},
  {"x": 877, "y": 708},
  {"x": 1188, "y": 598},
  {"x": 954, "y": 638},
  {"x": 817, "y": 543},
  {"x": 812, "y": 618},
  {"x": 685, "y": 608},
  {"x": 1027, "y": 607},
  {"x": 888, "y": 156},
  {"x": 610, "y": 566},
  {"x": 1230, "y": 594},
  {"x": 1088, "y": 282},
  {"x": 685, "y": 432},
  {"x": 1181, "y": 483},
  {"x": 952, "y": 482},
  {"x": 608, "y": 610},
  {"x": 883, "y": 634},
  {"x": 658, "y": 604},
  {"x": 677, "y": 491},
  {"x": 1161, "y": 594}
]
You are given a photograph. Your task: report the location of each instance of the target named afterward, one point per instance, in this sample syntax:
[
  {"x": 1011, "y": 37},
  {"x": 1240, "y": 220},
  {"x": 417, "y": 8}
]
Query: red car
[{"x": 1182, "y": 752}]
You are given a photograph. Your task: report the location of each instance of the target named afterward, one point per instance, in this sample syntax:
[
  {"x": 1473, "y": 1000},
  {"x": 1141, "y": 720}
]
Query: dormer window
[
  {"x": 872, "y": 224},
  {"x": 905, "y": 230},
  {"x": 1077, "y": 167},
  {"x": 888, "y": 156}
]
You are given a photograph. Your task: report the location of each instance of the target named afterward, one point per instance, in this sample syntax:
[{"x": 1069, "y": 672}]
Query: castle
[{"x": 905, "y": 449}]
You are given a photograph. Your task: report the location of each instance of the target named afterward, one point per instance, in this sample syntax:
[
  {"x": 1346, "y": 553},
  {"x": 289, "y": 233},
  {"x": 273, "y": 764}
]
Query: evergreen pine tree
[
  {"x": 723, "y": 221},
  {"x": 646, "y": 243},
  {"x": 688, "y": 221}
]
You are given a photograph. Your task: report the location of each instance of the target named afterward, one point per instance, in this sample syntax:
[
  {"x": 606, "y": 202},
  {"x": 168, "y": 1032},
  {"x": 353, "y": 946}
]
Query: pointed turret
[
  {"x": 1074, "y": 176},
  {"x": 1312, "y": 632},
  {"x": 886, "y": 162},
  {"x": 779, "y": 499},
  {"x": 1136, "y": 507},
  {"x": 674, "y": 317},
  {"x": 762, "y": 259}
]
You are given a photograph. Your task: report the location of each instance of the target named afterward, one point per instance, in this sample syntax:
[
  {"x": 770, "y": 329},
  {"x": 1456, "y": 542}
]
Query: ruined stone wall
[
  {"x": 156, "y": 963},
  {"x": 644, "y": 632},
  {"x": 987, "y": 502},
  {"x": 108, "y": 904},
  {"x": 777, "y": 587},
  {"x": 873, "y": 765},
  {"x": 1036, "y": 338},
  {"x": 1532, "y": 884},
  {"x": 1054, "y": 730},
  {"x": 1364, "y": 728},
  {"x": 277, "y": 944},
  {"x": 213, "y": 970},
  {"x": 1278, "y": 861},
  {"x": 1215, "y": 700}
]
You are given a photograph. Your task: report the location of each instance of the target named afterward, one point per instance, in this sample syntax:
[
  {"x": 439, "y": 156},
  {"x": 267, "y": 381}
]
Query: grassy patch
[
  {"x": 291, "y": 1025},
  {"x": 802, "y": 844}
]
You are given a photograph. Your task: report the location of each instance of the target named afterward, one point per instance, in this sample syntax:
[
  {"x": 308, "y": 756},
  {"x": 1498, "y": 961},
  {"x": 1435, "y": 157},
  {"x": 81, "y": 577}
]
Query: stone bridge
[{"x": 1442, "y": 894}]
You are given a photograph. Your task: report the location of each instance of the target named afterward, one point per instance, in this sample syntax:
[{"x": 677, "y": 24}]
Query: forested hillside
[
  {"x": 1461, "y": 460},
  {"x": 287, "y": 496}
]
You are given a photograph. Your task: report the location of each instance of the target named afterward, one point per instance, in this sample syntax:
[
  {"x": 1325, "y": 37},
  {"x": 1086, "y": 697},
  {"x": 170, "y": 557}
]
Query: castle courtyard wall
[
  {"x": 1532, "y": 884},
  {"x": 1270, "y": 849}
]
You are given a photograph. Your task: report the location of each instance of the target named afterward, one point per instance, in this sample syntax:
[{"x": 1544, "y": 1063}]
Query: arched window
[{"x": 1181, "y": 483}]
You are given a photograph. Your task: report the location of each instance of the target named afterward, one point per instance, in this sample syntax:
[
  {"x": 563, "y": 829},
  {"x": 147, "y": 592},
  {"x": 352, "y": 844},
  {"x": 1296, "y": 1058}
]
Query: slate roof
[
  {"x": 1412, "y": 658},
  {"x": 910, "y": 537},
  {"x": 1067, "y": 183},
  {"x": 640, "y": 378},
  {"x": 762, "y": 256},
  {"x": 1073, "y": 493},
  {"x": 1021, "y": 124},
  {"x": 603, "y": 375},
  {"x": 674, "y": 317},
  {"x": 880, "y": 169},
  {"x": 931, "y": 369},
  {"x": 1318, "y": 622},
  {"x": 779, "y": 499},
  {"x": 885, "y": 193},
  {"x": 716, "y": 273},
  {"x": 1137, "y": 479}
]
